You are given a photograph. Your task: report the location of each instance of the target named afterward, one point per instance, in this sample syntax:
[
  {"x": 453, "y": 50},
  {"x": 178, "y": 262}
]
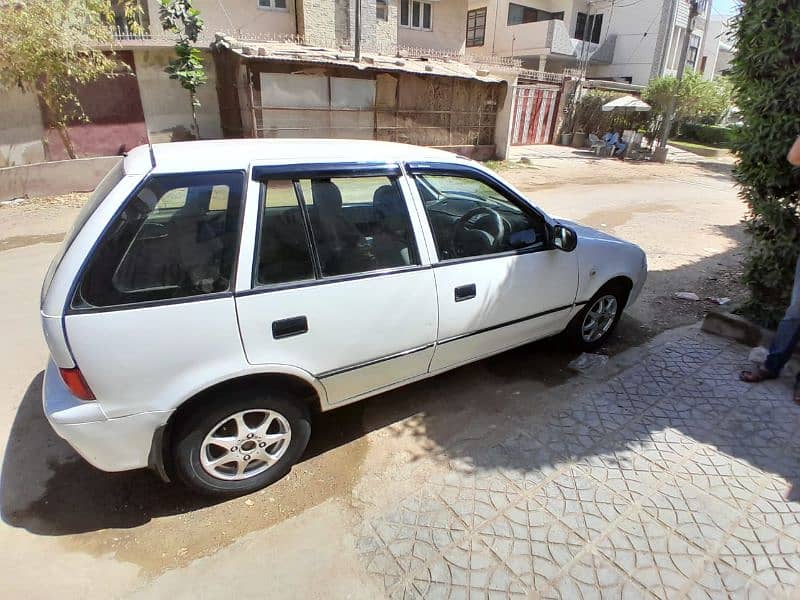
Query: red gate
[{"x": 534, "y": 114}]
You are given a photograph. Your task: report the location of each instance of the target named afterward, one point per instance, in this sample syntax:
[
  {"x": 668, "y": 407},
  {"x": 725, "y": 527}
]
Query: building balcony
[{"x": 550, "y": 39}]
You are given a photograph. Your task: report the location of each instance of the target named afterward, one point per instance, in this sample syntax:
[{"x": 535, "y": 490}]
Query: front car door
[
  {"x": 499, "y": 281},
  {"x": 338, "y": 286}
]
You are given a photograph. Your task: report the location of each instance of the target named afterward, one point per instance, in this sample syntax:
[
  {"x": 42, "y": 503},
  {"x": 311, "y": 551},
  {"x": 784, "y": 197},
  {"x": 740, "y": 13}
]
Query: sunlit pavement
[{"x": 669, "y": 479}]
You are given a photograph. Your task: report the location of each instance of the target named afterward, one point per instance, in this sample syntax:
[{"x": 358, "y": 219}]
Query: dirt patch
[
  {"x": 18, "y": 241},
  {"x": 134, "y": 517}
]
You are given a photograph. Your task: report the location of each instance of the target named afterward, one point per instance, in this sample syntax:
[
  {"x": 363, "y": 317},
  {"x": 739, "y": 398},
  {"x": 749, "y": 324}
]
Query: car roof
[{"x": 207, "y": 155}]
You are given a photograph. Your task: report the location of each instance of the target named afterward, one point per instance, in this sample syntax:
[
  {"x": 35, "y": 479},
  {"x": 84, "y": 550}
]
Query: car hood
[{"x": 585, "y": 232}]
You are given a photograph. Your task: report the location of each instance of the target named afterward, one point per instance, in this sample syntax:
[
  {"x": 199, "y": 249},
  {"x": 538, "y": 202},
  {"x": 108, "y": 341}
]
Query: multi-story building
[
  {"x": 385, "y": 24},
  {"x": 622, "y": 40},
  {"x": 718, "y": 49}
]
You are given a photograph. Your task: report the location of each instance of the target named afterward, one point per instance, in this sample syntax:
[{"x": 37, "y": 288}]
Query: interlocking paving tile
[
  {"x": 778, "y": 505},
  {"x": 417, "y": 530},
  {"x": 722, "y": 476},
  {"x": 581, "y": 503},
  {"x": 593, "y": 577},
  {"x": 769, "y": 557},
  {"x": 477, "y": 497},
  {"x": 467, "y": 570},
  {"x": 624, "y": 472},
  {"x": 649, "y": 553},
  {"x": 532, "y": 543},
  {"x": 720, "y": 580},
  {"x": 671, "y": 479},
  {"x": 691, "y": 513}
]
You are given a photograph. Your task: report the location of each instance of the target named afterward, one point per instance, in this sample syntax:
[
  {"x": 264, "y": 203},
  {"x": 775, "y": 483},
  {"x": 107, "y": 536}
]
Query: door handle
[
  {"x": 288, "y": 327},
  {"x": 465, "y": 292}
]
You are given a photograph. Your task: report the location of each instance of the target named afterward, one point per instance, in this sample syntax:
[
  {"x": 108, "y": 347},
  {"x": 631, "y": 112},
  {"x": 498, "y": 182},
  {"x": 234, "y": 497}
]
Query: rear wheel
[
  {"x": 593, "y": 325},
  {"x": 240, "y": 442}
]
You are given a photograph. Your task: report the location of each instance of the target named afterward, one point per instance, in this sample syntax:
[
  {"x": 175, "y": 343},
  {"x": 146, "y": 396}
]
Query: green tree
[
  {"x": 180, "y": 18},
  {"x": 699, "y": 100},
  {"x": 766, "y": 78},
  {"x": 48, "y": 47}
]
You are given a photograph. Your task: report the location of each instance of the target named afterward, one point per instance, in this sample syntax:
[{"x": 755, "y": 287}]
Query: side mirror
[{"x": 564, "y": 238}]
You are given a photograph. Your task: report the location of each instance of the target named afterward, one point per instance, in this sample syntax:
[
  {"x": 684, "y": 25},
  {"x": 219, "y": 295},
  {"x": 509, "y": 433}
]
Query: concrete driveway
[{"x": 656, "y": 474}]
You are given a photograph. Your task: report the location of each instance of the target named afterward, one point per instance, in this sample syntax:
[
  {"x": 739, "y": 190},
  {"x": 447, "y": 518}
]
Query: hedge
[
  {"x": 711, "y": 135},
  {"x": 766, "y": 77}
]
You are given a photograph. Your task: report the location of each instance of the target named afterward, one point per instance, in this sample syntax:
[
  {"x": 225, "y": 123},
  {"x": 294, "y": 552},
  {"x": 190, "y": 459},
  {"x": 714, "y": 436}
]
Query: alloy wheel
[
  {"x": 599, "y": 318},
  {"x": 245, "y": 444}
]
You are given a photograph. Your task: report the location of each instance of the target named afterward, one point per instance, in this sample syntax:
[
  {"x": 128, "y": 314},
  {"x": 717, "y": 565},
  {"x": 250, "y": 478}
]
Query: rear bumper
[{"x": 117, "y": 444}]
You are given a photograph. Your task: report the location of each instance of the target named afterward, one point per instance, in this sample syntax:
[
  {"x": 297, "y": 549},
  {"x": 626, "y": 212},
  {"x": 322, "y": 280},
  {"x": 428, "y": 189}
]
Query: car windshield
[{"x": 108, "y": 183}]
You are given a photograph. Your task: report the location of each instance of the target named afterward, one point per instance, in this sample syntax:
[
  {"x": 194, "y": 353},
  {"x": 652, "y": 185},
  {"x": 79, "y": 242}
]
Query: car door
[
  {"x": 499, "y": 281},
  {"x": 338, "y": 285}
]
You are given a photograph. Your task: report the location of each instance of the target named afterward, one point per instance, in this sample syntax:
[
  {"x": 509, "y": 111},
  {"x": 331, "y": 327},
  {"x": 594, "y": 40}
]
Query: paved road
[{"x": 668, "y": 480}]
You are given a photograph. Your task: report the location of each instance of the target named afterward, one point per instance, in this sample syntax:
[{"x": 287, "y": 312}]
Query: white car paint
[{"x": 366, "y": 335}]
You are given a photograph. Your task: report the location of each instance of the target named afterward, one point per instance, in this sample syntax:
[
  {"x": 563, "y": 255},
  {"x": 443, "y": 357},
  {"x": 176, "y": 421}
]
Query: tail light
[{"x": 73, "y": 379}]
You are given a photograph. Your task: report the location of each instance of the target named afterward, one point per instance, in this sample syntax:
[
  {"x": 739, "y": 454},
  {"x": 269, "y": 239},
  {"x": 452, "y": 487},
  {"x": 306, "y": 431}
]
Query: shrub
[
  {"x": 766, "y": 77},
  {"x": 699, "y": 100},
  {"x": 711, "y": 135}
]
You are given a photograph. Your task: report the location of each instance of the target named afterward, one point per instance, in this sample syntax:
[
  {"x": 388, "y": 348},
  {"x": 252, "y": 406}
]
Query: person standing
[{"x": 788, "y": 333}]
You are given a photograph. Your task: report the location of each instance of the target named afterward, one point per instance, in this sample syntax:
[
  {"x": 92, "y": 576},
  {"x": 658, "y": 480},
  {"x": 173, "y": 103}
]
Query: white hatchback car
[{"x": 213, "y": 296}]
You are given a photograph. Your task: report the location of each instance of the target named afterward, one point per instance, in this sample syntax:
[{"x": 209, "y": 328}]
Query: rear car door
[
  {"x": 499, "y": 281},
  {"x": 338, "y": 286}
]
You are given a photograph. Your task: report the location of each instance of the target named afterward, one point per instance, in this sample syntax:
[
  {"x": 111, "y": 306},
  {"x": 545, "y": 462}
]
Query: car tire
[
  {"x": 609, "y": 302},
  {"x": 229, "y": 427}
]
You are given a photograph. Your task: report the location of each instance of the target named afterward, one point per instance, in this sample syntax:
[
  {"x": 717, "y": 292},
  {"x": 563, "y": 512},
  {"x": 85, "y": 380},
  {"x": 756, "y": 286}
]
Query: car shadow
[{"x": 48, "y": 489}]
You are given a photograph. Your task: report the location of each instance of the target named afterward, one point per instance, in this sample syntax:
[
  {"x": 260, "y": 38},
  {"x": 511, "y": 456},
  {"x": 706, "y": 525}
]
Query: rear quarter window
[{"x": 177, "y": 237}]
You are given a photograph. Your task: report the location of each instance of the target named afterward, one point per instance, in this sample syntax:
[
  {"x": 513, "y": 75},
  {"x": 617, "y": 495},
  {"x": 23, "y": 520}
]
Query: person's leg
[
  {"x": 788, "y": 333},
  {"x": 785, "y": 340}
]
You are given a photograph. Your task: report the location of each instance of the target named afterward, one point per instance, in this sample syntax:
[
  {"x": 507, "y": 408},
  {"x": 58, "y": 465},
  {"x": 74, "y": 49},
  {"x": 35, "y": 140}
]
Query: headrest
[{"x": 327, "y": 197}]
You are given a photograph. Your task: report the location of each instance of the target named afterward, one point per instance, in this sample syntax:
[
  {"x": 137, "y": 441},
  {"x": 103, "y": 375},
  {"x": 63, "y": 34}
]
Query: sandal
[{"x": 756, "y": 376}]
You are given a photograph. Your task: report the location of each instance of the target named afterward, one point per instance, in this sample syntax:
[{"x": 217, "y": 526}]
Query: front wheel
[
  {"x": 240, "y": 443},
  {"x": 593, "y": 325}
]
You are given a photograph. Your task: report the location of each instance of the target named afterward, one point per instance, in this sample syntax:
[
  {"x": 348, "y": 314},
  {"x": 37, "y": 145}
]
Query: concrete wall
[
  {"x": 317, "y": 21},
  {"x": 502, "y": 131},
  {"x": 21, "y": 128},
  {"x": 236, "y": 17},
  {"x": 166, "y": 105},
  {"x": 634, "y": 53},
  {"x": 386, "y": 31},
  {"x": 448, "y": 20},
  {"x": 53, "y": 178}
]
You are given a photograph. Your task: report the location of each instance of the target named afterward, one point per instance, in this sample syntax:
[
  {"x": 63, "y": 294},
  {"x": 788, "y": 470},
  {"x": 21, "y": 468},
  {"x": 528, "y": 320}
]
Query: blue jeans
[{"x": 788, "y": 334}]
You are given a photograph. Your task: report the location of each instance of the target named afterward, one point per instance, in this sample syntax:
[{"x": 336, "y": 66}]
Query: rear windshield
[{"x": 108, "y": 183}]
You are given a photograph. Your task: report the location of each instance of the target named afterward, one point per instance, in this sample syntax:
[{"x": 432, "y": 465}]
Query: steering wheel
[{"x": 471, "y": 231}]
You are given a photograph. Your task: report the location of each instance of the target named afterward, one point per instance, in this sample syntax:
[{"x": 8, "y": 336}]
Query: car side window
[
  {"x": 356, "y": 224},
  {"x": 470, "y": 218},
  {"x": 284, "y": 254},
  {"x": 177, "y": 237}
]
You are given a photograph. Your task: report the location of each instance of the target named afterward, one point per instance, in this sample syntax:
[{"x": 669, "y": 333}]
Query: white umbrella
[{"x": 624, "y": 103}]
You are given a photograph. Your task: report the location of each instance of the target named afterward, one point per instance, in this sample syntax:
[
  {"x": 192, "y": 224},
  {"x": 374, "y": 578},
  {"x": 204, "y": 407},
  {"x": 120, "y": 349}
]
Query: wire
[
  {"x": 644, "y": 35},
  {"x": 634, "y": 3}
]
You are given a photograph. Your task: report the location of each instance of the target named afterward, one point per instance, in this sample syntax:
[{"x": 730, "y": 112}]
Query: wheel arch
[
  {"x": 308, "y": 393},
  {"x": 621, "y": 281}
]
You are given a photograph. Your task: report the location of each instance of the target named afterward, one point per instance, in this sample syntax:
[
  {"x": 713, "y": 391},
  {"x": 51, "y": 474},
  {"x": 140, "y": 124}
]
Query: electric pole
[
  {"x": 694, "y": 10},
  {"x": 357, "y": 41}
]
